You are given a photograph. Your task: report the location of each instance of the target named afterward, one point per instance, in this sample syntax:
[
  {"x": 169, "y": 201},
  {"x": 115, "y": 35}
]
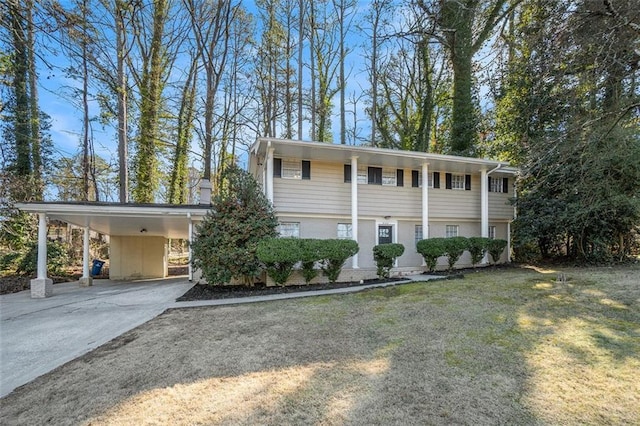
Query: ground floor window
[
  {"x": 289, "y": 229},
  {"x": 451, "y": 231},
  {"x": 345, "y": 231},
  {"x": 418, "y": 235},
  {"x": 492, "y": 232}
]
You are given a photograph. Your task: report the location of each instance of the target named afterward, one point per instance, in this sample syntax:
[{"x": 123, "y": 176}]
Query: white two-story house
[{"x": 375, "y": 195}]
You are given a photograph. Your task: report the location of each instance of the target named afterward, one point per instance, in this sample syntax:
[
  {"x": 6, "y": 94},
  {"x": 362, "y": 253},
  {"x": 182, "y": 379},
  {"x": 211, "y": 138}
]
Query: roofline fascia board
[
  {"x": 384, "y": 151},
  {"x": 75, "y": 209}
]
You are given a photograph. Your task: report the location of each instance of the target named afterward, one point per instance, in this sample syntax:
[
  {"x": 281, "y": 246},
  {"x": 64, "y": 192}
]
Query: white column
[
  {"x": 42, "y": 286},
  {"x": 425, "y": 201},
  {"x": 190, "y": 239},
  {"x": 484, "y": 208},
  {"x": 509, "y": 242},
  {"x": 484, "y": 204},
  {"x": 86, "y": 279},
  {"x": 269, "y": 177},
  {"x": 354, "y": 206}
]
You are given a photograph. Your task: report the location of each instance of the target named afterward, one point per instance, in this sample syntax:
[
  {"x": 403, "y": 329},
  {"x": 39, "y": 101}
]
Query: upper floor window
[
  {"x": 433, "y": 179},
  {"x": 498, "y": 184},
  {"x": 289, "y": 229},
  {"x": 376, "y": 175},
  {"x": 458, "y": 181},
  {"x": 291, "y": 168}
]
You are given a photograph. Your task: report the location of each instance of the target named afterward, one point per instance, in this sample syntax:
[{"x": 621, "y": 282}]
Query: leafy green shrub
[
  {"x": 454, "y": 247},
  {"x": 309, "y": 254},
  {"x": 431, "y": 249},
  {"x": 279, "y": 256},
  {"x": 385, "y": 255},
  {"x": 226, "y": 240},
  {"x": 9, "y": 261},
  {"x": 57, "y": 259},
  {"x": 495, "y": 249},
  {"x": 334, "y": 253},
  {"x": 477, "y": 247}
]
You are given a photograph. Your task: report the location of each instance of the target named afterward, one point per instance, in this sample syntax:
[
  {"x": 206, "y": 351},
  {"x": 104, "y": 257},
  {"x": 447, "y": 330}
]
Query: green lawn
[{"x": 498, "y": 347}]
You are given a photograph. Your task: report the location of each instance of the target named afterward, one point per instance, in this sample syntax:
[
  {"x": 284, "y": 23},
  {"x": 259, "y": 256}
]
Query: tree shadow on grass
[{"x": 463, "y": 351}]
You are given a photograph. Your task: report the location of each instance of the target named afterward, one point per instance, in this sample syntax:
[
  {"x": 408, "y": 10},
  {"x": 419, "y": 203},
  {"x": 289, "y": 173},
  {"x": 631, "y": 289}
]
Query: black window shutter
[
  {"x": 489, "y": 182},
  {"x": 415, "y": 179},
  {"x": 436, "y": 179},
  {"x": 347, "y": 172},
  {"x": 277, "y": 167},
  {"x": 467, "y": 182},
  {"x": 306, "y": 169},
  {"x": 400, "y": 177},
  {"x": 375, "y": 176},
  {"x": 505, "y": 185},
  {"x": 448, "y": 183}
]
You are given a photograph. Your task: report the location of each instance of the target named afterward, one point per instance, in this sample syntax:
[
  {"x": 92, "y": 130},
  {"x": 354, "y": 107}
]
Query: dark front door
[{"x": 385, "y": 234}]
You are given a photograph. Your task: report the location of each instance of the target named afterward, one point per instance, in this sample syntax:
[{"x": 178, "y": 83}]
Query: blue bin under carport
[{"x": 96, "y": 269}]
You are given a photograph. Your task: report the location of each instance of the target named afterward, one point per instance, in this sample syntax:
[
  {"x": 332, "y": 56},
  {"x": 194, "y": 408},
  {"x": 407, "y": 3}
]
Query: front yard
[{"x": 498, "y": 347}]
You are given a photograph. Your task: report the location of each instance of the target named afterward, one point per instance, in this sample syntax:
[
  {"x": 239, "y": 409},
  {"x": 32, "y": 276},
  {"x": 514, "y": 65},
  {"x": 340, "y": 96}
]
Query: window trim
[
  {"x": 297, "y": 228},
  {"x": 416, "y": 233},
  {"x": 448, "y": 234},
  {"x": 348, "y": 231}
]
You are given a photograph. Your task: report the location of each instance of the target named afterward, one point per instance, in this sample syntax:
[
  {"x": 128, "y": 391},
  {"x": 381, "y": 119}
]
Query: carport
[{"x": 138, "y": 236}]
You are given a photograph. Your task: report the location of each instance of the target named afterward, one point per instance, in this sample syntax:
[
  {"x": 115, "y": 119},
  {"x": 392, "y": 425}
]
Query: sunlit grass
[{"x": 501, "y": 346}]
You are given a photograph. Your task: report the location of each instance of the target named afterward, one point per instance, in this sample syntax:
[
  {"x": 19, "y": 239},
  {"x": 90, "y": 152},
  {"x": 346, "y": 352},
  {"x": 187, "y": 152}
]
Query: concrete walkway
[{"x": 38, "y": 335}]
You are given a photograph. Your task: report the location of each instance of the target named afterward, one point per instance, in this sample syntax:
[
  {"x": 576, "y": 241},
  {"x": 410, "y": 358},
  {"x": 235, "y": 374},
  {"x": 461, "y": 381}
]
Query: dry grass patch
[{"x": 499, "y": 347}]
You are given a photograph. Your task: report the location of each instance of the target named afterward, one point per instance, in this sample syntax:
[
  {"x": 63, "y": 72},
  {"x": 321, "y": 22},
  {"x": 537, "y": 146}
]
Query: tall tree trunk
[
  {"x": 179, "y": 169},
  {"x": 150, "y": 104},
  {"x": 122, "y": 90},
  {"x": 85, "y": 107},
  {"x": 36, "y": 139},
  {"x": 20, "y": 71},
  {"x": 300, "y": 64},
  {"x": 342, "y": 83},
  {"x": 312, "y": 54}
]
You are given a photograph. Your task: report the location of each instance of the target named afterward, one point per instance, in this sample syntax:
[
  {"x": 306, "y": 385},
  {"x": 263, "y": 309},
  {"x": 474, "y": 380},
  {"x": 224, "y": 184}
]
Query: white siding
[
  {"x": 394, "y": 201},
  {"x": 455, "y": 203},
  {"x": 325, "y": 192}
]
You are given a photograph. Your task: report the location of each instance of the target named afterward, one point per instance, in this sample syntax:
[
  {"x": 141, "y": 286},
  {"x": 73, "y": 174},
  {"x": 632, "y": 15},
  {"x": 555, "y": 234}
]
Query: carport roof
[{"x": 116, "y": 219}]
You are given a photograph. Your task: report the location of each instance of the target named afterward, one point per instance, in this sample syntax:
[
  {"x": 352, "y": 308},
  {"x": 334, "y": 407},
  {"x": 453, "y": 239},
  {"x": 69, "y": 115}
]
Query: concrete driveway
[{"x": 38, "y": 335}]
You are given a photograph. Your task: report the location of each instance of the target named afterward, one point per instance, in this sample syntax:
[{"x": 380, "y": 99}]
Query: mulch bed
[
  {"x": 209, "y": 292},
  {"x": 16, "y": 283}
]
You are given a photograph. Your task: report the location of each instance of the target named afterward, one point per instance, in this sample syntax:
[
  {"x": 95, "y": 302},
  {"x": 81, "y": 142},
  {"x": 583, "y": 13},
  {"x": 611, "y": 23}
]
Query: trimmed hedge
[
  {"x": 477, "y": 247},
  {"x": 431, "y": 249},
  {"x": 495, "y": 249},
  {"x": 279, "y": 256},
  {"x": 454, "y": 247},
  {"x": 309, "y": 254},
  {"x": 333, "y": 254},
  {"x": 385, "y": 255}
]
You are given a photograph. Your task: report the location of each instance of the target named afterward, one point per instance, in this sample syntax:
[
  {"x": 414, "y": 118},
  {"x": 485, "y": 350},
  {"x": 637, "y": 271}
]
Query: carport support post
[
  {"x": 86, "y": 280},
  {"x": 42, "y": 286},
  {"x": 189, "y": 242}
]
